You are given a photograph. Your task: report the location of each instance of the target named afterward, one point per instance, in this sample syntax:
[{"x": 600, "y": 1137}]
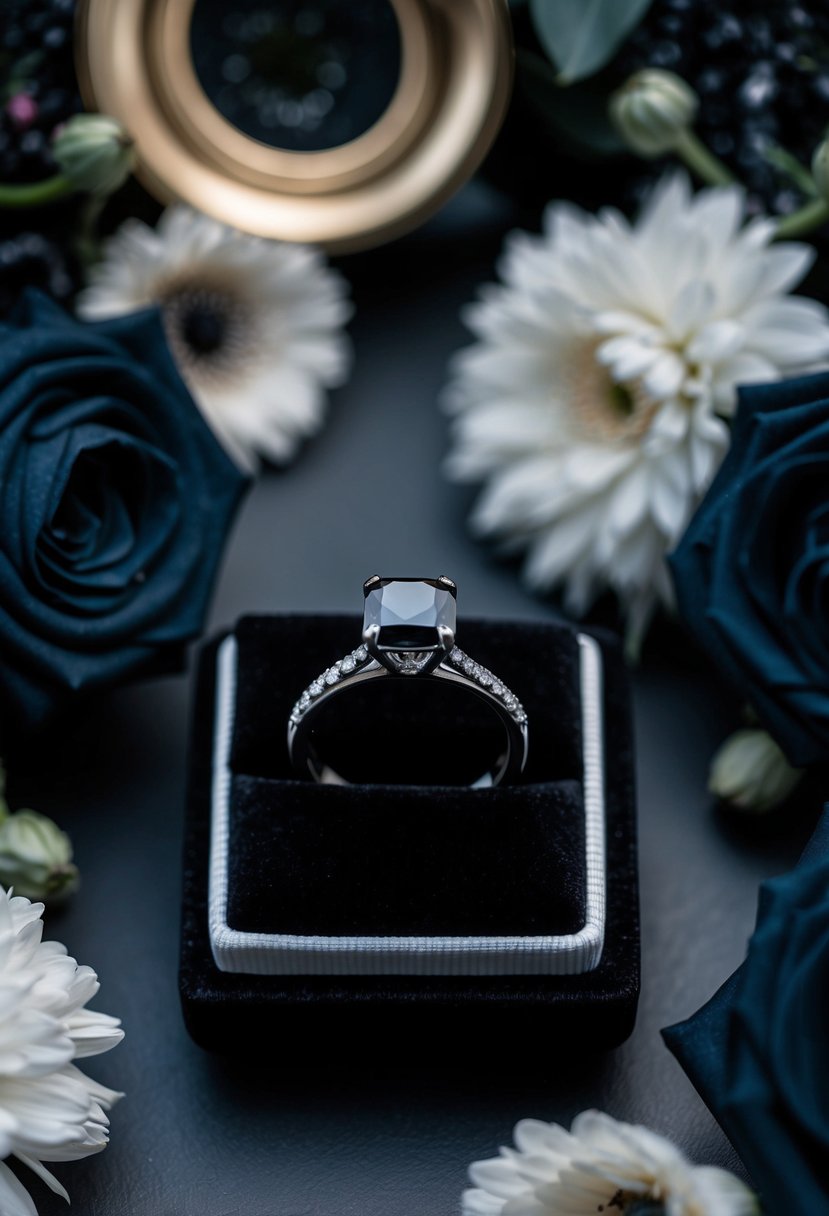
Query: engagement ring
[{"x": 409, "y": 635}]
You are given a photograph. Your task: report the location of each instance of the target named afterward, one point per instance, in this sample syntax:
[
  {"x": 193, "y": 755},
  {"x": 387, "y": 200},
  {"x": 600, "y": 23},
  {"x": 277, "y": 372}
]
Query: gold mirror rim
[{"x": 453, "y": 93}]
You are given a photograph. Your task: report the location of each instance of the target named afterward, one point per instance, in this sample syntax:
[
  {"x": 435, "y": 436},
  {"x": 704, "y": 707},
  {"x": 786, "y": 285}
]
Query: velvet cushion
[
  {"x": 386, "y": 859},
  {"x": 406, "y": 860}
]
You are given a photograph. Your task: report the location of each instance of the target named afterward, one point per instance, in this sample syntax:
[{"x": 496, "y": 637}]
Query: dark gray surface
[{"x": 199, "y": 1137}]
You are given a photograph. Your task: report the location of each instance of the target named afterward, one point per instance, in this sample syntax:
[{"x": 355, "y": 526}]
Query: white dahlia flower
[
  {"x": 592, "y": 405},
  {"x": 255, "y": 326},
  {"x": 49, "y": 1110},
  {"x": 600, "y": 1165}
]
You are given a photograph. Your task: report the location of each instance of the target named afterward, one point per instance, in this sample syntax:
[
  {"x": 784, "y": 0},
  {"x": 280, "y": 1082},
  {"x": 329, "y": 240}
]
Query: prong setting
[
  {"x": 409, "y": 630},
  {"x": 409, "y": 614},
  {"x": 371, "y": 633},
  {"x": 447, "y": 637}
]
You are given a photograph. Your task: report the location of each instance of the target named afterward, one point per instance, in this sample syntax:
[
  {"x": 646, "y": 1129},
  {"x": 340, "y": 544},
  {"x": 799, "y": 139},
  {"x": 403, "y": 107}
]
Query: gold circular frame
[{"x": 456, "y": 73}]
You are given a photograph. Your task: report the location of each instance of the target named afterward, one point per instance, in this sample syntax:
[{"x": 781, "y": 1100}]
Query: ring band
[{"x": 409, "y": 632}]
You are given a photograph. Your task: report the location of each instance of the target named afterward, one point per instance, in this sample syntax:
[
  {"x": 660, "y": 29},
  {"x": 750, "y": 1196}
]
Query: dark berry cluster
[
  {"x": 39, "y": 90},
  {"x": 761, "y": 69},
  {"x": 31, "y": 259}
]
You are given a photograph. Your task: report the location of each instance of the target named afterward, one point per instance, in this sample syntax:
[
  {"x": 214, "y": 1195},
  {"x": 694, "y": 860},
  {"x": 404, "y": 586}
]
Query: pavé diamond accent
[
  {"x": 335, "y": 674},
  {"x": 410, "y": 664},
  {"x": 487, "y": 680},
  {"x": 408, "y": 630}
]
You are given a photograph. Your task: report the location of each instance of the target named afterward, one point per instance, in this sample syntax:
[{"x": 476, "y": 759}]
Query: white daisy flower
[
  {"x": 49, "y": 1110},
  {"x": 255, "y": 326},
  {"x": 600, "y": 1165},
  {"x": 592, "y": 404}
]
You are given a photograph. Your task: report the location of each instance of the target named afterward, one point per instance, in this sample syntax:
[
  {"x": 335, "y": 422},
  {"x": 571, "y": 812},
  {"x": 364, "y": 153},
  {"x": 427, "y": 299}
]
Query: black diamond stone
[{"x": 409, "y": 611}]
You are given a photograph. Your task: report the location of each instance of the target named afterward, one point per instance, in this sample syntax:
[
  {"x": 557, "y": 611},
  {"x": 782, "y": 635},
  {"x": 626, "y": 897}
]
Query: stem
[
  {"x": 782, "y": 160},
  {"x": 808, "y": 217},
  {"x": 4, "y": 806},
  {"x": 34, "y": 194},
  {"x": 700, "y": 161},
  {"x": 87, "y": 242}
]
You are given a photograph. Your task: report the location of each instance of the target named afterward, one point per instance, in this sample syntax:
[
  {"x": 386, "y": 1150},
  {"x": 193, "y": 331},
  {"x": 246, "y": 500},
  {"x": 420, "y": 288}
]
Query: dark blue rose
[
  {"x": 115, "y": 499},
  {"x": 758, "y": 1052},
  {"x": 752, "y": 571}
]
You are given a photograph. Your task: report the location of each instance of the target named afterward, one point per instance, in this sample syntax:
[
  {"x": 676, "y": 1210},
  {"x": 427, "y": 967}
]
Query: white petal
[
  {"x": 717, "y": 341},
  {"x": 669, "y": 512},
  {"x": 626, "y": 506},
  {"x": 535, "y": 1136},
  {"x": 552, "y": 554},
  {"x": 37, "y": 1167},
  {"x": 481, "y": 1203},
  {"x": 783, "y": 267},
  {"x": 724, "y": 1194},
  {"x": 669, "y": 427},
  {"x": 497, "y": 1176},
  {"x": 747, "y": 367},
  {"x": 690, "y": 308},
  {"x": 286, "y": 309},
  {"x": 664, "y": 379},
  {"x": 627, "y": 358},
  {"x": 677, "y": 310},
  {"x": 15, "y": 1200}
]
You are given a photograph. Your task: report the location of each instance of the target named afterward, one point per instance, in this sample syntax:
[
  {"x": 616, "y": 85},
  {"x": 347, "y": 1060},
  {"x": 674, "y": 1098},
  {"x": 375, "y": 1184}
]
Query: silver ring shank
[{"x": 457, "y": 668}]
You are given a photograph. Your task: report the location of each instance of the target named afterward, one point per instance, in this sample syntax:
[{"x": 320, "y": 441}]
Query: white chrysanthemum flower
[
  {"x": 592, "y": 403},
  {"x": 49, "y": 1110},
  {"x": 255, "y": 326},
  {"x": 600, "y": 1165}
]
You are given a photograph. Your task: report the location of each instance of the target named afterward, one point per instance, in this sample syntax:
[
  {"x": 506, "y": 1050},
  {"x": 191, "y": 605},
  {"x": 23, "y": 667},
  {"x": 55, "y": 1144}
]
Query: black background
[{"x": 200, "y": 1136}]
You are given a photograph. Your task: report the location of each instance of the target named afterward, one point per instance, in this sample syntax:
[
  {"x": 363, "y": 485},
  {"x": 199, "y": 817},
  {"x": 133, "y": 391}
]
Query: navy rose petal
[
  {"x": 752, "y": 571},
  {"x": 758, "y": 1052},
  {"x": 115, "y": 500}
]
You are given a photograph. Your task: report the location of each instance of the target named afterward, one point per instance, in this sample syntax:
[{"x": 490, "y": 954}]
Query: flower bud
[
  {"x": 36, "y": 858},
  {"x": 751, "y": 773},
  {"x": 820, "y": 169},
  {"x": 652, "y": 110},
  {"x": 94, "y": 152}
]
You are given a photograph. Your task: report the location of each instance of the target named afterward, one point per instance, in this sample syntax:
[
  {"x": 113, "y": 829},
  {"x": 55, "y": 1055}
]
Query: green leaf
[
  {"x": 580, "y": 36},
  {"x": 576, "y": 118},
  {"x": 20, "y": 73}
]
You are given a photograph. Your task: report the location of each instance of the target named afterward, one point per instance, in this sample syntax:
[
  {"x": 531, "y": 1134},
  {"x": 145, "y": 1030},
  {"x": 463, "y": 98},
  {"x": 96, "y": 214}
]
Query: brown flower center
[
  {"x": 626, "y": 1204},
  {"x": 601, "y": 409},
  {"x": 210, "y": 326}
]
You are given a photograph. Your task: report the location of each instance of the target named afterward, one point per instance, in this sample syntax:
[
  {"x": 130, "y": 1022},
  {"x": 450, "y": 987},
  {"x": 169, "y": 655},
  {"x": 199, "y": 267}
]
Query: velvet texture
[
  {"x": 407, "y": 859},
  {"x": 752, "y": 570},
  {"x": 116, "y": 501},
  {"x": 758, "y": 1051}
]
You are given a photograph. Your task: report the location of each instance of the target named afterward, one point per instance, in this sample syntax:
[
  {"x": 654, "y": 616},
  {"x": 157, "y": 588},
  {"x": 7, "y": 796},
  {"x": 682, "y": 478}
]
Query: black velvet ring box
[{"x": 333, "y": 912}]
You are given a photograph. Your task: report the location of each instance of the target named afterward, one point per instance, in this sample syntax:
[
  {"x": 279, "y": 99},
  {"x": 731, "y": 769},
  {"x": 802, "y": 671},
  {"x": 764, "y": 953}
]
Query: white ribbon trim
[{"x": 297, "y": 954}]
